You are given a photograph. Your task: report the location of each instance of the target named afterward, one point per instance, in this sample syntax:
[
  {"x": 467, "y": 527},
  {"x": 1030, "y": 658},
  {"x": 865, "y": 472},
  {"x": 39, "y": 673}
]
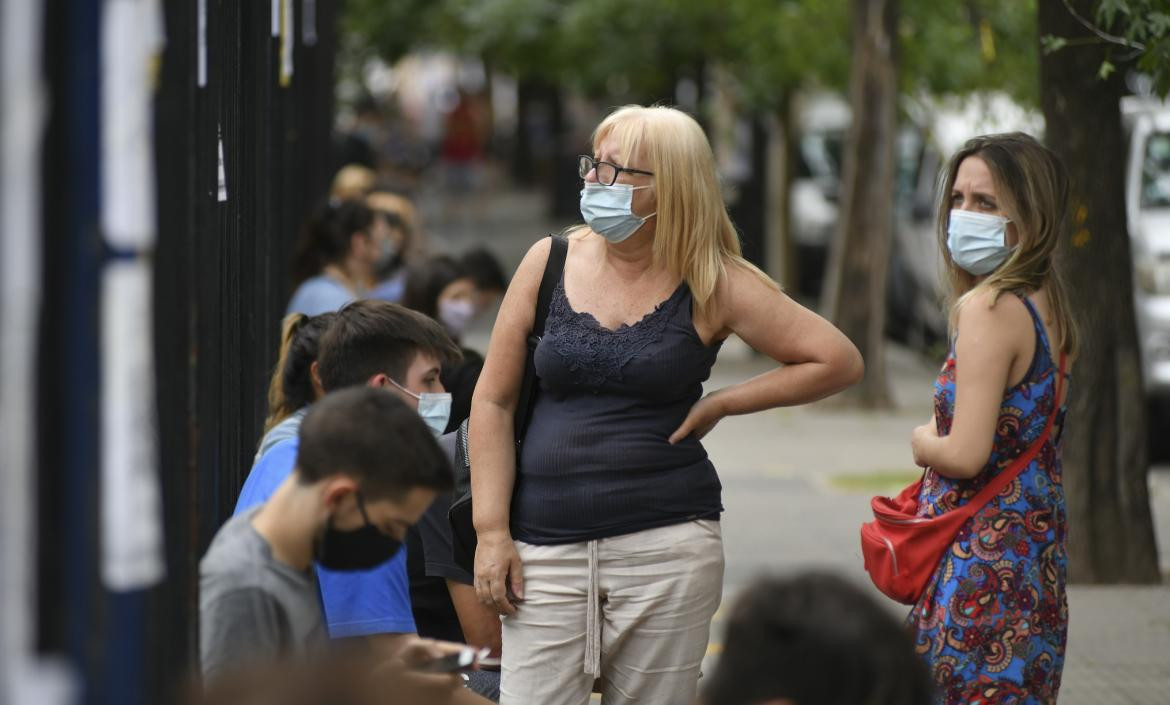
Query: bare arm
[
  {"x": 480, "y": 623},
  {"x": 390, "y": 645},
  {"x": 817, "y": 360},
  {"x": 987, "y": 346},
  {"x": 493, "y": 455}
]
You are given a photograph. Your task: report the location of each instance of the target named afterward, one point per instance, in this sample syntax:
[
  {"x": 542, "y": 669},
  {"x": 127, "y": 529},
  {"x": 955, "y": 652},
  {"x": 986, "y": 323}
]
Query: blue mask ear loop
[
  {"x": 643, "y": 217},
  {"x": 396, "y": 384}
]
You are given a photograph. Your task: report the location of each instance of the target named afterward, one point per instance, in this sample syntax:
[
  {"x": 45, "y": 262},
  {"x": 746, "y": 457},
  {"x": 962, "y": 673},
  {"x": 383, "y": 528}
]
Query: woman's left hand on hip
[{"x": 700, "y": 419}]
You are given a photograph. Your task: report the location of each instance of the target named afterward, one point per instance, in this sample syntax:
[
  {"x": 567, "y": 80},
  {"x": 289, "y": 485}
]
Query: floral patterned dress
[{"x": 993, "y": 621}]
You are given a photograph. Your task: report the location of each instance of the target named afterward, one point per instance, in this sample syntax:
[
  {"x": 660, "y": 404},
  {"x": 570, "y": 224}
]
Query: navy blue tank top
[{"x": 595, "y": 461}]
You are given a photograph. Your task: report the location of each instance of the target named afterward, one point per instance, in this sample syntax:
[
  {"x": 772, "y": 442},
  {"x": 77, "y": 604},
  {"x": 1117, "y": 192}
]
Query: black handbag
[{"x": 463, "y": 537}]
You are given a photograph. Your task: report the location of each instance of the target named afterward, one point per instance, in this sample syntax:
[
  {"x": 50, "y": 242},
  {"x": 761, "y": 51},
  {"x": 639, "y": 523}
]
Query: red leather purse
[{"x": 902, "y": 550}]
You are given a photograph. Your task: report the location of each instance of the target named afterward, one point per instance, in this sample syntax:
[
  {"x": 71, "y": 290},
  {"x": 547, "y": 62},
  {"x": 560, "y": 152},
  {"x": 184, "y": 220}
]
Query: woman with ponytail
[
  {"x": 337, "y": 258},
  {"x": 294, "y": 385}
]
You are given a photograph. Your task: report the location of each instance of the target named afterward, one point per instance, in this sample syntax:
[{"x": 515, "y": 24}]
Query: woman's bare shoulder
[
  {"x": 1001, "y": 322},
  {"x": 740, "y": 289},
  {"x": 987, "y": 307},
  {"x": 740, "y": 282}
]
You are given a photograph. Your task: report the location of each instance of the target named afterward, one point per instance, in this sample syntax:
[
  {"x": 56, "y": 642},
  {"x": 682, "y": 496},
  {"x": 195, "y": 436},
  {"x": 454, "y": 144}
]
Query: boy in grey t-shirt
[
  {"x": 253, "y": 605},
  {"x": 367, "y": 468}
]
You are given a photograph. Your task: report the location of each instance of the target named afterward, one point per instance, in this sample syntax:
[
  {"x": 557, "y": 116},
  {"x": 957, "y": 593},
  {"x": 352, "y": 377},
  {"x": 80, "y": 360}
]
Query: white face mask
[
  {"x": 608, "y": 210},
  {"x": 977, "y": 241},
  {"x": 433, "y": 407},
  {"x": 455, "y": 315}
]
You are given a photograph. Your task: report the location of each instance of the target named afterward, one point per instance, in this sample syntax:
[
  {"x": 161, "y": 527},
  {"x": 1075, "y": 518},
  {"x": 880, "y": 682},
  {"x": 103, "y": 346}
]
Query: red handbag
[{"x": 902, "y": 550}]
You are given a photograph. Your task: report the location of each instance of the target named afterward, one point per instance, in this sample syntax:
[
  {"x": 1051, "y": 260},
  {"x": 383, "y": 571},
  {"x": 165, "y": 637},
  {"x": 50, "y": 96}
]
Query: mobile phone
[{"x": 466, "y": 659}]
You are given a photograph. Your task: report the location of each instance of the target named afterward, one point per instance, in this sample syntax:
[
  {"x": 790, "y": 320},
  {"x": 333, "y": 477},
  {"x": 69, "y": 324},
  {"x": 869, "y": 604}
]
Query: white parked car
[{"x": 1147, "y": 205}]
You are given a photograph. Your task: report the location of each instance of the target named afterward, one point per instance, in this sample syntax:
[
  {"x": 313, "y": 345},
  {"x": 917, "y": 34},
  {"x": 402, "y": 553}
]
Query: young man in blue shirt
[{"x": 375, "y": 344}]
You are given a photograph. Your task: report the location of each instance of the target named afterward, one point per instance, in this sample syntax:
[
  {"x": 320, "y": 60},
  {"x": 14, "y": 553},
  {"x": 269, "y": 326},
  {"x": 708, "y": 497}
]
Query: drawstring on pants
[{"x": 592, "y": 617}]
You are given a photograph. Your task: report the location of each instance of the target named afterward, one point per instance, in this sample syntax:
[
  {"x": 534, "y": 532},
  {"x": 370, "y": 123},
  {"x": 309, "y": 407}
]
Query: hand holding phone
[{"x": 466, "y": 659}]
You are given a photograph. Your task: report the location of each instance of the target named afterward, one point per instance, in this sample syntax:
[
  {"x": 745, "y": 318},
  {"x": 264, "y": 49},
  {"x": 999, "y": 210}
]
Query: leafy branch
[{"x": 1140, "y": 26}]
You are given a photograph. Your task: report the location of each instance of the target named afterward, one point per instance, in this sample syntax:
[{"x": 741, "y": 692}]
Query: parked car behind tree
[{"x": 1147, "y": 196}]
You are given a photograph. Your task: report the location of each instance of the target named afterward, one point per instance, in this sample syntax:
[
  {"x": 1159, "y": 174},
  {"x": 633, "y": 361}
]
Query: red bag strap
[{"x": 1003, "y": 479}]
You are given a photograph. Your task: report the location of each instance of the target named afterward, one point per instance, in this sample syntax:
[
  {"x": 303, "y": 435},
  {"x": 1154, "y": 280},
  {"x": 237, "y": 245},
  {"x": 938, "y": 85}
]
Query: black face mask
[{"x": 358, "y": 549}]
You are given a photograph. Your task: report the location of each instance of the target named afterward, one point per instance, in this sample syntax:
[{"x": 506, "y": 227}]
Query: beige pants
[{"x": 634, "y": 611}]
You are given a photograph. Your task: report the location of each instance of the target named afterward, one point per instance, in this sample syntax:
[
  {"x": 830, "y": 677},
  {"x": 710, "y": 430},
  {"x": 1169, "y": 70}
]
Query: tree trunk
[
  {"x": 855, "y": 287},
  {"x": 525, "y": 155},
  {"x": 750, "y": 210},
  {"x": 778, "y": 246},
  {"x": 1111, "y": 535}
]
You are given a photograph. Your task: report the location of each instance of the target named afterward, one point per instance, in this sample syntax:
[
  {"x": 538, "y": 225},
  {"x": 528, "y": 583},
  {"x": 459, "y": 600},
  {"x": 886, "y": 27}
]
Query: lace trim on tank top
[{"x": 595, "y": 354}]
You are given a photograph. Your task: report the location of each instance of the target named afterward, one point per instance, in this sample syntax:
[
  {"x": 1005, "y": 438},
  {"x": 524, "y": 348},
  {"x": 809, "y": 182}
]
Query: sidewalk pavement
[{"x": 797, "y": 484}]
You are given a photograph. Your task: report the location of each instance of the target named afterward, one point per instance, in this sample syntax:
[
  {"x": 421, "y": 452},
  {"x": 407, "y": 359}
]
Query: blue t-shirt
[
  {"x": 357, "y": 603},
  {"x": 319, "y": 294},
  {"x": 392, "y": 289}
]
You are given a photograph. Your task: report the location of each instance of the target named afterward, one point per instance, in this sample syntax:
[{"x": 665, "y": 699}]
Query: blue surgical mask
[
  {"x": 433, "y": 407},
  {"x": 977, "y": 241},
  {"x": 608, "y": 210}
]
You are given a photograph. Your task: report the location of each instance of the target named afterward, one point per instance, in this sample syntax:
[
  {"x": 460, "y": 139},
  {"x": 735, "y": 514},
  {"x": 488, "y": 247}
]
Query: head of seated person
[
  {"x": 366, "y": 470},
  {"x": 294, "y": 384},
  {"x": 380, "y": 344},
  {"x": 488, "y": 274},
  {"x": 814, "y": 639},
  {"x": 442, "y": 289}
]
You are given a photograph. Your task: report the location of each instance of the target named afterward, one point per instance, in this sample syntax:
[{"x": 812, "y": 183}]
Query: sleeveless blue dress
[{"x": 993, "y": 622}]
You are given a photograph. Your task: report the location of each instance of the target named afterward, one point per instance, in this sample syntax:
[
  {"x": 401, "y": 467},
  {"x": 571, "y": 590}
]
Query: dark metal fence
[{"x": 221, "y": 284}]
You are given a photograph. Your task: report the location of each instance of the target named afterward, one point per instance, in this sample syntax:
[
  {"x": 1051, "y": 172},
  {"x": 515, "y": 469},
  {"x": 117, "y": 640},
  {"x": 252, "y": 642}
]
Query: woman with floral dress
[{"x": 992, "y": 622}]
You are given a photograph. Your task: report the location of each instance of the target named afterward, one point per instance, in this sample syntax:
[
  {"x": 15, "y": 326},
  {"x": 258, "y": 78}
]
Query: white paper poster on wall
[
  {"x": 132, "y": 38},
  {"x": 287, "y": 39},
  {"x": 131, "y": 502},
  {"x": 221, "y": 172},
  {"x": 201, "y": 43},
  {"x": 27, "y": 675}
]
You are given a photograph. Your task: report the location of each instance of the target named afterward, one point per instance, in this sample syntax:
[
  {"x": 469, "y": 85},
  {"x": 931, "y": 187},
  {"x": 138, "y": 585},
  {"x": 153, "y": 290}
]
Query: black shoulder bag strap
[
  {"x": 552, "y": 274},
  {"x": 459, "y": 514}
]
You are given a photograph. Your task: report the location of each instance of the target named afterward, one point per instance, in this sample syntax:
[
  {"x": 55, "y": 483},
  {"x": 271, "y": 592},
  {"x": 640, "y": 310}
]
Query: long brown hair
[{"x": 1032, "y": 188}]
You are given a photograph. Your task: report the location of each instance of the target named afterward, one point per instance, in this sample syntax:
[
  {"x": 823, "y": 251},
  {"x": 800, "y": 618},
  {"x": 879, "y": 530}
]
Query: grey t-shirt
[{"x": 252, "y": 607}]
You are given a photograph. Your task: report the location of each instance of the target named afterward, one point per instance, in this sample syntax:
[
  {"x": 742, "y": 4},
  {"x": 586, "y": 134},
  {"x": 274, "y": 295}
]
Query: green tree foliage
[
  {"x": 641, "y": 47},
  {"x": 1137, "y": 32},
  {"x": 955, "y": 48},
  {"x": 392, "y": 29},
  {"x": 521, "y": 36},
  {"x": 769, "y": 48}
]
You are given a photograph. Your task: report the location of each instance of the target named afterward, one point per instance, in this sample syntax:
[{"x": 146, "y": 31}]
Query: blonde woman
[
  {"x": 601, "y": 543},
  {"x": 992, "y": 623}
]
